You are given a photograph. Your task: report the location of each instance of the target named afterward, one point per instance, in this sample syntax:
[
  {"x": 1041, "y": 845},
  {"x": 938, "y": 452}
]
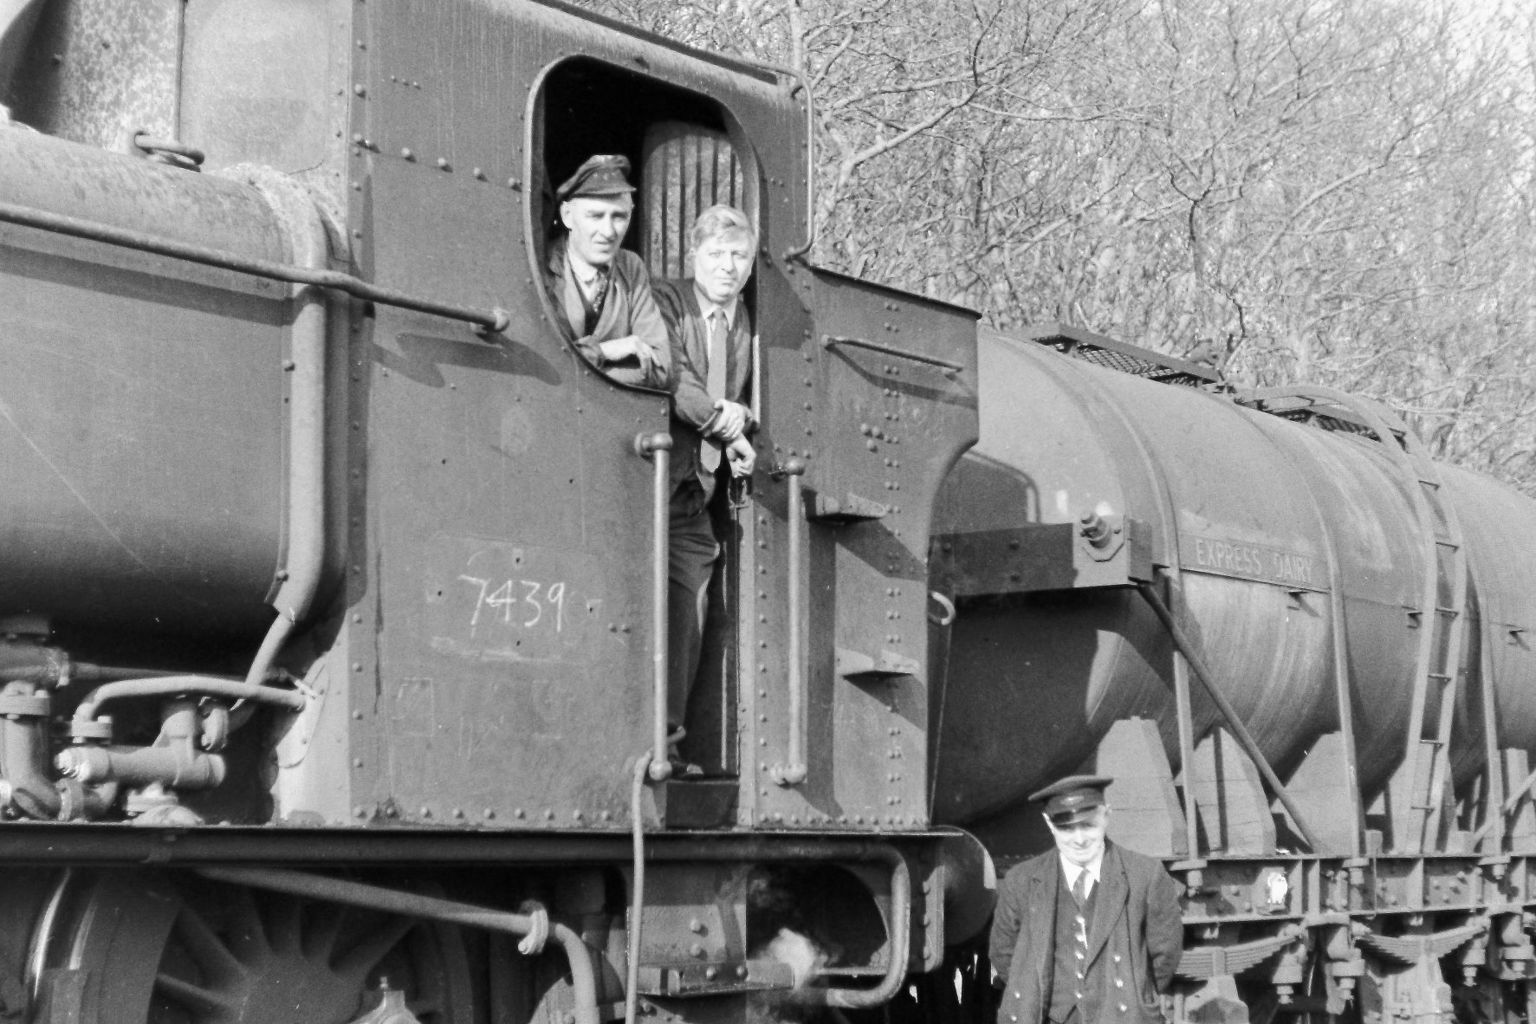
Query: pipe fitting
[
  {"x": 24, "y": 733},
  {"x": 173, "y": 761},
  {"x": 1094, "y": 529},
  {"x": 172, "y": 767}
]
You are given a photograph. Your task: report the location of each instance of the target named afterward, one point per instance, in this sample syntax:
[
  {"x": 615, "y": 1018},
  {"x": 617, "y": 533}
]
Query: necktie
[
  {"x": 714, "y": 380},
  {"x": 592, "y": 295},
  {"x": 1080, "y": 888},
  {"x": 600, "y": 289}
]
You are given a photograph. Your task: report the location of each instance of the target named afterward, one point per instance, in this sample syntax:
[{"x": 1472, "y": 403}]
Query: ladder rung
[
  {"x": 1449, "y": 611},
  {"x": 1430, "y": 483},
  {"x": 1439, "y": 675},
  {"x": 1446, "y": 543}
]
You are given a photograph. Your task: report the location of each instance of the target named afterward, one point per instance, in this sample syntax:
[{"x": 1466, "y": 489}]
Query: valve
[
  {"x": 1095, "y": 530},
  {"x": 391, "y": 1008}
]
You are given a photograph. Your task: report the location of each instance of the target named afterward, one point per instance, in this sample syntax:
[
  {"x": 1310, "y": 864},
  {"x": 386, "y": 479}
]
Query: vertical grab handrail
[
  {"x": 793, "y": 771},
  {"x": 657, "y": 448}
]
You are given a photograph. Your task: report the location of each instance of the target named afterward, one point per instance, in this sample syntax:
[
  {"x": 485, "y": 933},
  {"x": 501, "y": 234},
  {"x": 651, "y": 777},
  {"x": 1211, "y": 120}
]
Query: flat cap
[
  {"x": 1067, "y": 801},
  {"x": 601, "y": 175}
]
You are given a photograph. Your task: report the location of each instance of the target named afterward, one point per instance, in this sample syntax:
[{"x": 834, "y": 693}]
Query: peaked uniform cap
[
  {"x": 1068, "y": 801},
  {"x": 597, "y": 176}
]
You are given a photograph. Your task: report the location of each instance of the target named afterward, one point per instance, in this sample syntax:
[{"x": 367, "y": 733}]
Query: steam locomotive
[{"x": 334, "y": 599}]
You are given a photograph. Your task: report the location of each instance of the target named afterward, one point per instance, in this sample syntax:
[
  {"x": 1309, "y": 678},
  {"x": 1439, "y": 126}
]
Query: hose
[{"x": 637, "y": 891}]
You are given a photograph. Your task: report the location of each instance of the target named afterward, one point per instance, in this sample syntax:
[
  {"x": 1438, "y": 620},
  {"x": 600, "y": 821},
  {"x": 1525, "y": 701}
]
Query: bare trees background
[{"x": 1320, "y": 190}]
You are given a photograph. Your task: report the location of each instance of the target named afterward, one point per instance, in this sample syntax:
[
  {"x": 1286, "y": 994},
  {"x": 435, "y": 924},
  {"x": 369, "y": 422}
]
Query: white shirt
[
  {"x": 1070, "y": 871},
  {"x": 586, "y": 274},
  {"x": 708, "y": 308}
]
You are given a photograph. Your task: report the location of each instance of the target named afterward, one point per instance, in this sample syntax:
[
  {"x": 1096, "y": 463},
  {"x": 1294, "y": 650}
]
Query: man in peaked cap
[
  {"x": 1089, "y": 932},
  {"x": 601, "y": 291}
]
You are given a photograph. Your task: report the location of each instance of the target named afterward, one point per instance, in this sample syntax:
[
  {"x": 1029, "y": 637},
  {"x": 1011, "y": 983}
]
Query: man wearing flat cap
[
  {"x": 1089, "y": 932},
  {"x": 600, "y": 290}
]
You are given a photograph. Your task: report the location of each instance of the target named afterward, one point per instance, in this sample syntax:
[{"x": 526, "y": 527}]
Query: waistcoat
[{"x": 1069, "y": 973}]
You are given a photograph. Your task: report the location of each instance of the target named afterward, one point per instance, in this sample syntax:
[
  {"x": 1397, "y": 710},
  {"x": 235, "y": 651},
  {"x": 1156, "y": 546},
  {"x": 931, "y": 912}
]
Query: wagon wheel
[
  {"x": 1265, "y": 1008},
  {"x": 1490, "y": 1001},
  {"x": 129, "y": 948}
]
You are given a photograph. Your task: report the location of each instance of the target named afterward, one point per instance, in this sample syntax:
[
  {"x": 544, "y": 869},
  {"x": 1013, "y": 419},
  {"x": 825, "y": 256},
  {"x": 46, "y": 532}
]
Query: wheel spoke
[
  {"x": 361, "y": 958},
  {"x": 324, "y": 928},
  {"x": 425, "y": 1009},
  {"x": 196, "y": 997},
  {"x": 247, "y": 937},
  {"x": 207, "y": 949},
  {"x": 165, "y": 949},
  {"x": 285, "y": 923}
]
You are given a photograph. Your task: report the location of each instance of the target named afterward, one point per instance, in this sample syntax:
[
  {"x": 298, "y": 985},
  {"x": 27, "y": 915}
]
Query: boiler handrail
[{"x": 488, "y": 321}]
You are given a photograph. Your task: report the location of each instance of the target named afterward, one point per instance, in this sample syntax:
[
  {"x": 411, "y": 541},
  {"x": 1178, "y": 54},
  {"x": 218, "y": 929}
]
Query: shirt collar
[
  {"x": 584, "y": 272},
  {"x": 1094, "y": 868},
  {"x": 706, "y": 306}
]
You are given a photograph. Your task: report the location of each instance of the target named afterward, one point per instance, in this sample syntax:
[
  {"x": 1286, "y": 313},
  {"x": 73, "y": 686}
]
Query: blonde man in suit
[
  {"x": 601, "y": 292},
  {"x": 711, "y": 335}
]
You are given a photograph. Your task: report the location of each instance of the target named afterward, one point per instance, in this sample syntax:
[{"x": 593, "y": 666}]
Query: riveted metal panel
[
  {"x": 878, "y": 429},
  {"x": 265, "y": 81},
  {"x": 504, "y": 548}
]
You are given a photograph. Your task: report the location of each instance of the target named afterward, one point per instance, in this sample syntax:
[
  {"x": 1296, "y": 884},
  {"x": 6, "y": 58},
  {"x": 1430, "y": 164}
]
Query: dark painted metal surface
[
  {"x": 475, "y": 697},
  {"x": 1255, "y": 498},
  {"x": 502, "y": 528},
  {"x": 143, "y": 436},
  {"x": 1502, "y": 562}
]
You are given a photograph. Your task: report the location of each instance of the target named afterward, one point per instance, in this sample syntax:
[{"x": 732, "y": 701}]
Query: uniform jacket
[
  {"x": 629, "y": 308},
  {"x": 1134, "y": 940},
  {"x": 693, "y": 409}
]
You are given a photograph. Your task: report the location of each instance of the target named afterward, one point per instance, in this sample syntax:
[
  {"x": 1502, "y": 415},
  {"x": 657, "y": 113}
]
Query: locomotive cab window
[
  {"x": 648, "y": 199},
  {"x": 680, "y": 154}
]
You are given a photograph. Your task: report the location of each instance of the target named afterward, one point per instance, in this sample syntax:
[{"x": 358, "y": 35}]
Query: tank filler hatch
[{"x": 1117, "y": 355}]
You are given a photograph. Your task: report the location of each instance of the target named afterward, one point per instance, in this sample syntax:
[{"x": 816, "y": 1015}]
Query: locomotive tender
[{"x": 334, "y": 598}]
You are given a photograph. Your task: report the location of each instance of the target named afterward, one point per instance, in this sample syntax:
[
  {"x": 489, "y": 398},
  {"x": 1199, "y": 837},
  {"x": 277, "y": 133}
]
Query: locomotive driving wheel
[{"x": 132, "y": 948}]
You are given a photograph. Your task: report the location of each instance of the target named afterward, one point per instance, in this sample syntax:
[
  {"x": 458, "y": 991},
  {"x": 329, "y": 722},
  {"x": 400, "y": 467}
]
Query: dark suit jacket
[
  {"x": 1134, "y": 940},
  {"x": 630, "y": 308},
  {"x": 693, "y": 410}
]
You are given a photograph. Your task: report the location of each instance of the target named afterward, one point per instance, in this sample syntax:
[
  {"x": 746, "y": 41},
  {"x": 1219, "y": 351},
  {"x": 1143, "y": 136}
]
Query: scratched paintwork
[
  {"x": 1268, "y": 523},
  {"x": 97, "y": 69},
  {"x": 480, "y": 455},
  {"x": 142, "y": 433}
]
